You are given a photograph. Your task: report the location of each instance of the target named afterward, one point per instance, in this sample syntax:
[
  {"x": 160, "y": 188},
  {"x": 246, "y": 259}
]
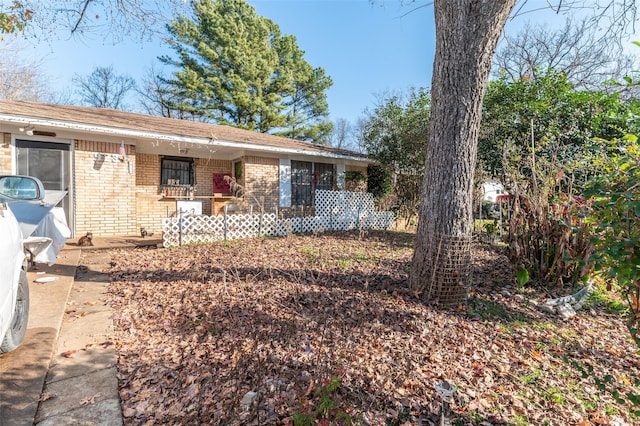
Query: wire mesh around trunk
[{"x": 444, "y": 275}]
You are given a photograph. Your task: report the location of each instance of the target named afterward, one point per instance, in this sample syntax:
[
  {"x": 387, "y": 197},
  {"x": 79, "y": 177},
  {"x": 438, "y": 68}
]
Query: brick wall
[
  {"x": 151, "y": 208},
  {"x": 104, "y": 189},
  {"x": 111, "y": 201},
  {"x": 205, "y": 168},
  {"x": 5, "y": 153},
  {"x": 261, "y": 181}
]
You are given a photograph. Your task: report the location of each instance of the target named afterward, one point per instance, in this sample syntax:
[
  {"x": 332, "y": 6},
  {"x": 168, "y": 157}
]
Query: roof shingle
[{"x": 167, "y": 126}]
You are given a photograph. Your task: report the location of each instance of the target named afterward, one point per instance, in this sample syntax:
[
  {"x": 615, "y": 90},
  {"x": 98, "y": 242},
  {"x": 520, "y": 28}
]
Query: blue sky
[{"x": 366, "y": 49}]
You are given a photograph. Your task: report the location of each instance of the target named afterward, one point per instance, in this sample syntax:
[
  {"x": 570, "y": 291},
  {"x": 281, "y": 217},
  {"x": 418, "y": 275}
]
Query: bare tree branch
[
  {"x": 21, "y": 80},
  {"x": 115, "y": 19},
  {"x": 587, "y": 59},
  {"x": 103, "y": 88},
  {"x": 156, "y": 96},
  {"x": 612, "y": 18},
  {"x": 81, "y": 17}
]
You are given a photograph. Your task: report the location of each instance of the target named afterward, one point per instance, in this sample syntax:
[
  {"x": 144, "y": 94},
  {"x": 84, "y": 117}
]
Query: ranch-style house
[{"x": 126, "y": 171}]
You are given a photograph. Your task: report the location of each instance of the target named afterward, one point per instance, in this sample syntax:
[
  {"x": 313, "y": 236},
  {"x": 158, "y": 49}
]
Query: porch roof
[{"x": 121, "y": 124}]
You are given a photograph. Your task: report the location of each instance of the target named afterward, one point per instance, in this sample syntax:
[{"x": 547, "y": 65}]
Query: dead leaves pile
[{"x": 250, "y": 332}]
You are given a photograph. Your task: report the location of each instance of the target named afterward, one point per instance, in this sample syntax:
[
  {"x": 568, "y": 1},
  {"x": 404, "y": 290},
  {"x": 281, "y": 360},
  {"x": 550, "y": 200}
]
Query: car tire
[{"x": 18, "y": 328}]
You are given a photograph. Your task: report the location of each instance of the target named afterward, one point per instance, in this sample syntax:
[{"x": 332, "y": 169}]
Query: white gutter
[{"x": 114, "y": 131}]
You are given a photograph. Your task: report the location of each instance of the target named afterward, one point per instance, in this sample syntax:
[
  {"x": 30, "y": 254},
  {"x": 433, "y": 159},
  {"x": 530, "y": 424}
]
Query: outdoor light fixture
[{"x": 28, "y": 130}]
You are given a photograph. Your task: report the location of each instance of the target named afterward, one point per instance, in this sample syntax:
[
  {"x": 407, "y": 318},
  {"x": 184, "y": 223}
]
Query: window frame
[
  {"x": 191, "y": 171},
  {"x": 304, "y": 181}
]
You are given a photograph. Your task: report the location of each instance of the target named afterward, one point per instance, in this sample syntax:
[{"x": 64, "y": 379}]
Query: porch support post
[{"x": 285, "y": 183}]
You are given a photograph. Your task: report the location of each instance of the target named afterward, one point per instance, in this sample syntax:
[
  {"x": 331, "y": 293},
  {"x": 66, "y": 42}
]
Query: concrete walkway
[{"x": 64, "y": 372}]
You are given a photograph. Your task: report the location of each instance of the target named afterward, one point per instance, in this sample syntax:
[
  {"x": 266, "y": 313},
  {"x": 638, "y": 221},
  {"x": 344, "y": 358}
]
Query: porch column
[{"x": 285, "y": 183}]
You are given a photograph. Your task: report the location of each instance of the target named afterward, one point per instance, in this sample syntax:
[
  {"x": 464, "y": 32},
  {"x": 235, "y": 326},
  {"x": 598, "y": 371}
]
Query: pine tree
[
  {"x": 235, "y": 67},
  {"x": 306, "y": 103}
]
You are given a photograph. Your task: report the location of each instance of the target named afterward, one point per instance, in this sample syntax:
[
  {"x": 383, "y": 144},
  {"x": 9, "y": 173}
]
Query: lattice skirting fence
[
  {"x": 188, "y": 229},
  {"x": 342, "y": 203},
  {"x": 335, "y": 211}
]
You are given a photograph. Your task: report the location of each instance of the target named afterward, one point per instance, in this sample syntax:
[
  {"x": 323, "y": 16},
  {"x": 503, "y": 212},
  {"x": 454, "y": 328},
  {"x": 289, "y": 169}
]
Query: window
[
  {"x": 323, "y": 176},
  {"x": 177, "y": 171},
  {"x": 301, "y": 183},
  {"x": 307, "y": 177}
]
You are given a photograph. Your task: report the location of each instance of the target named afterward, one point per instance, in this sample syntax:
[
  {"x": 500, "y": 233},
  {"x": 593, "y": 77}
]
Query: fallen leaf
[
  {"x": 70, "y": 353},
  {"x": 128, "y": 412},
  {"x": 199, "y": 326},
  {"x": 90, "y": 400},
  {"x": 47, "y": 396}
]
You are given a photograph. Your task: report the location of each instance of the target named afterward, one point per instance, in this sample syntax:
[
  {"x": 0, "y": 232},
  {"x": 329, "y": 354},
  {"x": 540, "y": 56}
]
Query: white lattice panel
[
  {"x": 335, "y": 210},
  {"x": 339, "y": 203}
]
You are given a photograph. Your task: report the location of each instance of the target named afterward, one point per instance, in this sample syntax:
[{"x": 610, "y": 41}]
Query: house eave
[{"x": 157, "y": 136}]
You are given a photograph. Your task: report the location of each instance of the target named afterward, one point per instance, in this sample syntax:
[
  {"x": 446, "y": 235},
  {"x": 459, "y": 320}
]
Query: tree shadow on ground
[
  {"x": 239, "y": 325},
  {"x": 392, "y": 238},
  {"x": 491, "y": 272}
]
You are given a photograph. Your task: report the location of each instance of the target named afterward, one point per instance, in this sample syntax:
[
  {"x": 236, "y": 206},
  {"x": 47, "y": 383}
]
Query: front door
[{"x": 49, "y": 162}]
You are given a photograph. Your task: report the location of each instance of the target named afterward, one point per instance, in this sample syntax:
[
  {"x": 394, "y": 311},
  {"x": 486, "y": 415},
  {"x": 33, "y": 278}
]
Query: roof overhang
[{"x": 210, "y": 143}]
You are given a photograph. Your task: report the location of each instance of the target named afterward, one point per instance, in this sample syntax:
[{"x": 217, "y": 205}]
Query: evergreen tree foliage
[
  {"x": 235, "y": 67},
  {"x": 378, "y": 181},
  {"x": 306, "y": 106},
  {"x": 395, "y": 134},
  {"x": 546, "y": 114}
]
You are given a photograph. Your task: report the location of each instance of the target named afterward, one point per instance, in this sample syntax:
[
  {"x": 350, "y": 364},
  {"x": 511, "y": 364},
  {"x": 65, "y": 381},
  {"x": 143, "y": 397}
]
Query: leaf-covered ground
[{"x": 322, "y": 330}]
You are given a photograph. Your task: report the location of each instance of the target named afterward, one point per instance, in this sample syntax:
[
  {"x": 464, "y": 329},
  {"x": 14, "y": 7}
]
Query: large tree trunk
[{"x": 467, "y": 32}]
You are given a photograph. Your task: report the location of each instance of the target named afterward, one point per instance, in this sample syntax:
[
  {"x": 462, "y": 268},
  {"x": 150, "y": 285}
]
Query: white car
[
  {"x": 14, "y": 288},
  {"x": 22, "y": 208}
]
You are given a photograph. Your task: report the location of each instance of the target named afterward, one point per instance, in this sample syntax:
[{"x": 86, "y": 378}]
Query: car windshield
[{"x": 18, "y": 188}]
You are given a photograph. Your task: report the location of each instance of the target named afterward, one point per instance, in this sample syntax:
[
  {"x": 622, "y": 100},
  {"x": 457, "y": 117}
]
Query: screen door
[{"x": 49, "y": 162}]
